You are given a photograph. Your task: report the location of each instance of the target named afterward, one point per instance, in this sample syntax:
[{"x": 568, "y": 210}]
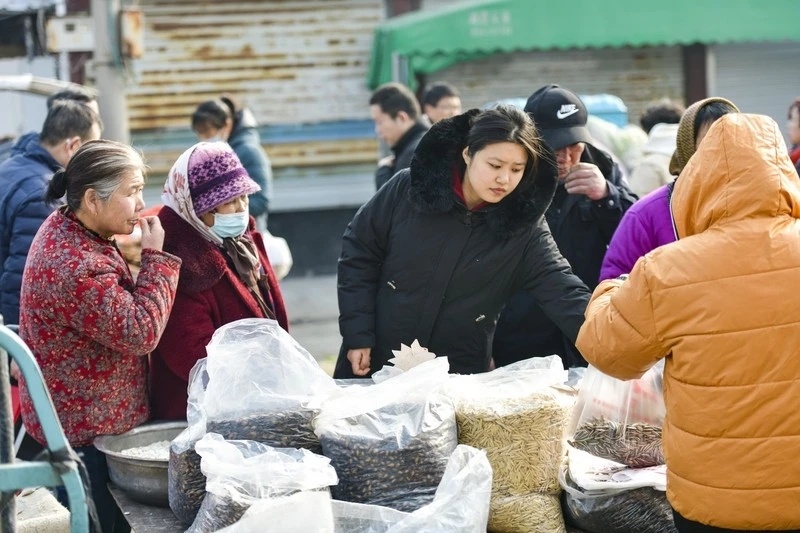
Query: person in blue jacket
[
  {"x": 23, "y": 181},
  {"x": 77, "y": 93},
  {"x": 220, "y": 120}
]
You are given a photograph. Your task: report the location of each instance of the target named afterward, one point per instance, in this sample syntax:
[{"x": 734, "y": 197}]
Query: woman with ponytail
[
  {"x": 220, "y": 120},
  {"x": 89, "y": 325}
]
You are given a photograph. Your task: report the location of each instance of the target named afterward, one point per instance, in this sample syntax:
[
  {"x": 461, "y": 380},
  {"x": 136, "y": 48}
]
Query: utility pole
[{"x": 109, "y": 77}]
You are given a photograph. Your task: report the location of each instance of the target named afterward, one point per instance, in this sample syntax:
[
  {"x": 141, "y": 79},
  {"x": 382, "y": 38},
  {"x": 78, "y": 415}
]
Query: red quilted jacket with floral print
[{"x": 91, "y": 327}]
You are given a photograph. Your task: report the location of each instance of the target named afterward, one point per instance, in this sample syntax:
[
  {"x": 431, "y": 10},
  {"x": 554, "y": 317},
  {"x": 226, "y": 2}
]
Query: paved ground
[{"x": 313, "y": 316}]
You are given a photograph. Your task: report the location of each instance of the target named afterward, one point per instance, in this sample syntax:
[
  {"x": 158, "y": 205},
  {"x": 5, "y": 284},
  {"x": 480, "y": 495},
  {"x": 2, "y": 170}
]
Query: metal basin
[{"x": 144, "y": 480}]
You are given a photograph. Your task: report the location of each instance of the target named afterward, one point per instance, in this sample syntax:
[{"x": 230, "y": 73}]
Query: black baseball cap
[{"x": 559, "y": 115}]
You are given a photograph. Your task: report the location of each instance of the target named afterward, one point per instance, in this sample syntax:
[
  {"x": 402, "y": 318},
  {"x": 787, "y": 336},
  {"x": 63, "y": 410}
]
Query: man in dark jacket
[
  {"x": 77, "y": 93},
  {"x": 23, "y": 182},
  {"x": 589, "y": 202},
  {"x": 395, "y": 111}
]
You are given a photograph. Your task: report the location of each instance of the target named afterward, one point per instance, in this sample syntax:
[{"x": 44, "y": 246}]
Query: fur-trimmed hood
[{"x": 431, "y": 179}]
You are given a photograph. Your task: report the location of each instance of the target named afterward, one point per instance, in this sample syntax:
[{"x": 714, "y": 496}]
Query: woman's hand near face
[
  {"x": 152, "y": 233},
  {"x": 359, "y": 359}
]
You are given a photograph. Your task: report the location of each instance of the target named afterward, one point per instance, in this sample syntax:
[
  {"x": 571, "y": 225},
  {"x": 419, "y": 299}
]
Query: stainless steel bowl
[{"x": 144, "y": 480}]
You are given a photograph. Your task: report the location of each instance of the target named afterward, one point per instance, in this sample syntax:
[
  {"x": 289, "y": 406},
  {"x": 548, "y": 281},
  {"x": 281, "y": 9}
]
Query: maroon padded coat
[{"x": 210, "y": 294}]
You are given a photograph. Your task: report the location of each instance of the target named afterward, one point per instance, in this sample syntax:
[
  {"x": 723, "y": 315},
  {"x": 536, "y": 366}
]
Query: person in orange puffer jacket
[{"x": 715, "y": 305}]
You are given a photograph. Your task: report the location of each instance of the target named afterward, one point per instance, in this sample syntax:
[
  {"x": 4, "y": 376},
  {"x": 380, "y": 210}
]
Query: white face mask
[{"x": 230, "y": 224}]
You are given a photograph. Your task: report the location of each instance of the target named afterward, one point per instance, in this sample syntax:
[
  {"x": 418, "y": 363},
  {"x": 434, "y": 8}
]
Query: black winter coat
[
  {"x": 582, "y": 229},
  {"x": 416, "y": 264},
  {"x": 403, "y": 152}
]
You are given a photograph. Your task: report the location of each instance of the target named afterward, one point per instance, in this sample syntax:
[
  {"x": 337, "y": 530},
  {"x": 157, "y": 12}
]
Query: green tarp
[{"x": 428, "y": 41}]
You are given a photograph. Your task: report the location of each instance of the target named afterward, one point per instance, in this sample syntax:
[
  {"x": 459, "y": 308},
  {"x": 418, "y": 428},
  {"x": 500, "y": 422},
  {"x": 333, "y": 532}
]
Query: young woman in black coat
[{"x": 439, "y": 249}]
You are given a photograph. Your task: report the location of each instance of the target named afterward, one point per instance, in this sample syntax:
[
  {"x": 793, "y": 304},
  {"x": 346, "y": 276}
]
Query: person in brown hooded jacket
[{"x": 714, "y": 304}]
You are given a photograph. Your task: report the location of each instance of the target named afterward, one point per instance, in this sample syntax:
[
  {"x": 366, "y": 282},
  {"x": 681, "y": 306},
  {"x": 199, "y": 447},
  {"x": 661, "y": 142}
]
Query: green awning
[{"x": 428, "y": 41}]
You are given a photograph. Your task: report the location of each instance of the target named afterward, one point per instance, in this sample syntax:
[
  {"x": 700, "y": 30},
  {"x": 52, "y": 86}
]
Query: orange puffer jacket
[{"x": 719, "y": 304}]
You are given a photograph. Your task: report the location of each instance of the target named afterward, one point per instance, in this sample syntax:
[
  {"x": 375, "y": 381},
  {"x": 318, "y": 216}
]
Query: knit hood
[
  {"x": 431, "y": 180},
  {"x": 685, "y": 143}
]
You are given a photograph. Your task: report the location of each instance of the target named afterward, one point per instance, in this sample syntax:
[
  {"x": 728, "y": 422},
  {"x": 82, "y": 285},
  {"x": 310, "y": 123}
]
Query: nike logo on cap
[{"x": 567, "y": 110}]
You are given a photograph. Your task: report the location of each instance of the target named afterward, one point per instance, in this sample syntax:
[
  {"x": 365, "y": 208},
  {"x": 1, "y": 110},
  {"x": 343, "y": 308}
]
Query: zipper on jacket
[
  {"x": 671, "y": 214},
  {"x": 391, "y": 284},
  {"x": 480, "y": 318}
]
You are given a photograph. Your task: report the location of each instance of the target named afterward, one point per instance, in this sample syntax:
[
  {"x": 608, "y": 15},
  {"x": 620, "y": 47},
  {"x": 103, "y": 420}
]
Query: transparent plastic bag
[
  {"x": 526, "y": 513},
  {"x": 390, "y": 442},
  {"x": 592, "y": 474},
  {"x": 519, "y": 418},
  {"x": 460, "y": 504},
  {"x": 301, "y": 512},
  {"x": 186, "y": 484},
  {"x": 640, "y": 510},
  {"x": 263, "y": 385},
  {"x": 621, "y": 420},
  {"x": 241, "y": 473},
  {"x": 519, "y": 415}
]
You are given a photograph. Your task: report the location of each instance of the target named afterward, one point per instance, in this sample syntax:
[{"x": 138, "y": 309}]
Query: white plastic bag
[
  {"x": 301, "y": 512},
  {"x": 518, "y": 414},
  {"x": 263, "y": 386},
  {"x": 279, "y": 254},
  {"x": 621, "y": 420},
  {"x": 240, "y": 473},
  {"x": 593, "y": 474},
  {"x": 640, "y": 506},
  {"x": 390, "y": 442},
  {"x": 460, "y": 505}
]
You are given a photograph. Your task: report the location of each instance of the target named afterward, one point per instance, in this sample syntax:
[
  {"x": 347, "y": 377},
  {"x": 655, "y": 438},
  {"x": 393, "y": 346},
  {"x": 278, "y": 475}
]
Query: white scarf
[{"x": 177, "y": 197}]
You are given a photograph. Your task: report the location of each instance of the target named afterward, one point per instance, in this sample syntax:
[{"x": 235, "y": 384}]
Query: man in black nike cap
[{"x": 589, "y": 202}]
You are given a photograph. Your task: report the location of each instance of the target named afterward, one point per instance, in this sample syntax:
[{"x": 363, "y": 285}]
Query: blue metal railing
[{"x": 14, "y": 476}]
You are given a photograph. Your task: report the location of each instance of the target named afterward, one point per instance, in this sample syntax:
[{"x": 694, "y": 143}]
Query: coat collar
[
  {"x": 204, "y": 264},
  {"x": 418, "y": 128},
  {"x": 431, "y": 188}
]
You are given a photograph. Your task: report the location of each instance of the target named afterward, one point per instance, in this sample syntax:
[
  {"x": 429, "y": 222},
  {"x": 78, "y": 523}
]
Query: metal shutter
[
  {"x": 758, "y": 77},
  {"x": 637, "y": 75}
]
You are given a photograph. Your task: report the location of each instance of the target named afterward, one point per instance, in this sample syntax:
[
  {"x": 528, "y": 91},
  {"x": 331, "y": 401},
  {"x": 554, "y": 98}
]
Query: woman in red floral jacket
[
  {"x": 83, "y": 317},
  {"x": 225, "y": 276}
]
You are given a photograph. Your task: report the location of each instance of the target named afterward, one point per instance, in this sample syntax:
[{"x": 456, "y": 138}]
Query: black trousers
[{"x": 687, "y": 526}]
